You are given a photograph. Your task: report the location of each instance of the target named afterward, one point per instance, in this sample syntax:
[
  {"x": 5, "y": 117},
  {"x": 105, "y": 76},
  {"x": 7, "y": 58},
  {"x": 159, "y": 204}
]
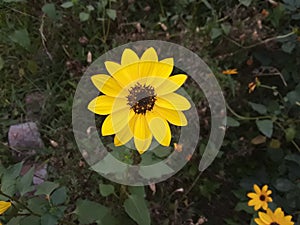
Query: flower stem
[{"x": 20, "y": 203}]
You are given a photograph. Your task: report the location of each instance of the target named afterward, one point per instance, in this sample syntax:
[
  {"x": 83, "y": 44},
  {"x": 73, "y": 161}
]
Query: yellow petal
[
  {"x": 259, "y": 221},
  {"x": 150, "y": 55},
  {"x": 264, "y": 205},
  {"x": 173, "y": 101},
  {"x": 127, "y": 74},
  {"x": 142, "y": 134},
  {"x": 4, "y": 206},
  {"x": 163, "y": 68},
  {"x": 256, "y": 189},
  {"x": 112, "y": 67},
  {"x": 171, "y": 84},
  {"x": 174, "y": 117},
  {"x": 125, "y": 135},
  {"x": 129, "y": 57},
  {"x": 107, "y": 85},
  {"x": 265, "y": 218},
  {"x": 159, "y": 127},
  {"x": 265, "y": 188},
  {"x": 104, "y": 105},
  {"x": 116, "y": 121},
  {"x": 252, "y": 195}
]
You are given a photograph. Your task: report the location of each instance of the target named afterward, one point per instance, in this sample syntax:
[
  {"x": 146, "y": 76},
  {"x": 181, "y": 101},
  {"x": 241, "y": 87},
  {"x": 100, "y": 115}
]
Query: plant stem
[{"x": 20, "y": 203}]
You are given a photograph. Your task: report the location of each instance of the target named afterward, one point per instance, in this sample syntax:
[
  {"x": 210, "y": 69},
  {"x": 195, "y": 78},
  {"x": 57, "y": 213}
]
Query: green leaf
[
  {"x": 215, "y": 33},
  {"x": 30, "y": 220},
  {"x": 90, "y": 212},
  {"x": 284, "y": 185},
  {"x": 1, "y": 63},
  {"x": 226, "y": 27},
  {"x": 156, "y": 172},
  {"x": 137, "y": 190},
  {"x": 265, "y": 126},
  {"x": 8, "y": 181},
  {"x": 90, "y": 8},
  {"x": 245, "y": 2},
  {"x": 46, "y": 188},
  {"x": 24, "y": 184},
  {"x": 67, "y": 5},
  {"x": 59, "y": 196},
  {"x": 243, "y": 206},
  {"x": 84, "y": 16},
  {"x": 232, "y": 122},
  {"x": 293, "y": 96},
  {"x": 136, "y": 207},
  {"x": 106, "y": 189},
  {"x": 32, "y": 66},
  {"x": 38, "y": 204},
  {"x": 161, "y": 151},
  {"x": 111, "y": 13},
  {"x": 15, "y": 221},
  {"x": 48, "y": 219},
  {"x": 290, "y": 134},
  {"x": 288, "y": 47},
  {"x": 261, "y": 109},
  {"x": 294, "y": 158},
  {"x": 49, "y": 10},
  {"x": 21, "y": 37}
]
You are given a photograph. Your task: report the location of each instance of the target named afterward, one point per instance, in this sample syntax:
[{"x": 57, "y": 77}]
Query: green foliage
[{"x": 44, "y": 46}]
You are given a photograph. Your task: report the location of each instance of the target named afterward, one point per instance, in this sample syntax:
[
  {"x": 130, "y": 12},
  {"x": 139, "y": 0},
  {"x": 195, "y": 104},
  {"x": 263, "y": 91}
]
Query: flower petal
[
  {"x": 127, "y": 74},
  {"x": 265, "y": 188},
  {"x": 149, "y": 55},
  {"x": 142, "y": 134},
  {"x": 104, "y": 105},
  {"x": 171, "y": 84},
  {"x": 112, "y": 67},
  {"x": 116, "y": 121},
  {"x": 159, "y": 127},
  {"x": 125, "y": 135},
  {"x": 265, "y": 217},
  {"x": 129, "y": 57},
  {"x": 173, "y": 101},
  {"x": 259, "y": 221},
  {"x": 252, "y": 195},
  {"x": 173, "y": 116},
  {"x": 4, "y": 206},
  {"x": 107, "y": 85},
  {"x": 256, "y": 189}
]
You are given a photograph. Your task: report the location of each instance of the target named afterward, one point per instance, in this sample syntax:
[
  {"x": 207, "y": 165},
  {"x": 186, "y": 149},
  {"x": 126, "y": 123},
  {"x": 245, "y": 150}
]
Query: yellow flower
[
  {"x": 260, "y": 198},
  {"x": 273, "y": 218},
  {"x": 4, "y": 206},
  {"x": 253, "y": 85},
  {"x": 139, "y": 99},
  {"x": 230, "y": 71}
]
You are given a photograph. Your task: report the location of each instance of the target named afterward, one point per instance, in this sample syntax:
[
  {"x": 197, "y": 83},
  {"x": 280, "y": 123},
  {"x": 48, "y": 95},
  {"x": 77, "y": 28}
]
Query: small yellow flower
[
  {"x": 260, "y": 198},
  {"x": 253, "y": 85},
  {"x": 4, "y": 206},
  {"x": 273, "y": 218},
  {"x": 230, "y": 71},
  {"x": 140, "y": 100}
]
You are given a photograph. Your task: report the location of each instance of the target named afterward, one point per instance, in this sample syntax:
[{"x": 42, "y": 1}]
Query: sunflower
[
  {"x": 139, "y": 99},
  {"x": 274, "y": 218},
  {"x": 260, "y": 198},
  {"x": 4, "y": 206}
]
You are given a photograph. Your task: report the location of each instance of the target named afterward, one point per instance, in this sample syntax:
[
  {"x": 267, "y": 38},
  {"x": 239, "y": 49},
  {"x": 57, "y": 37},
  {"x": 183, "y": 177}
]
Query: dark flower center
[
  {"x": 274, "y": 223},
  {"x": 262, "y": 198},
  {"x": 141, "y": 98}
]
